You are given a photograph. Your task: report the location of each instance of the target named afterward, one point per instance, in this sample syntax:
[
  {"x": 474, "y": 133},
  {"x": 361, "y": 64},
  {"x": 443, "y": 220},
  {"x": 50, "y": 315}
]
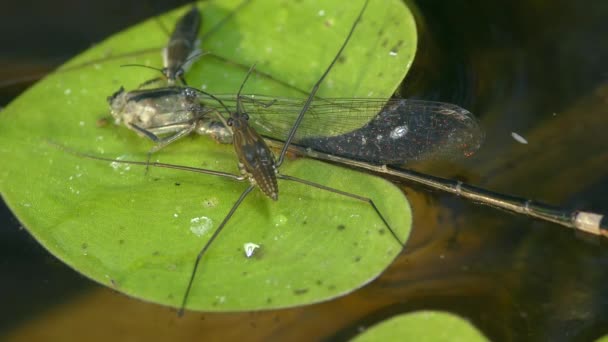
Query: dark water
[{"x": 537, "y": 68}]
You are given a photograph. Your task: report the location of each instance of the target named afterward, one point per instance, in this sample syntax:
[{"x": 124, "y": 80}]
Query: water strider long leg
[
  {"x": 162, "y": 142},
  {"x": 206, "y": 246},
  {"x": 347, "y": 194},
  {"x": 242, "y": 198},
  {"x": 258, "y": 102},
  {"x": 148, "y": 82},
  {"x": 315, "y": 88},
  {"x": 229, "y": 175},
  {"x": 180, "y": 129}
]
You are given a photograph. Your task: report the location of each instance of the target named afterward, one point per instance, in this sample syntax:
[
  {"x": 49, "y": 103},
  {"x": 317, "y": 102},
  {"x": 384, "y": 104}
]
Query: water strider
[
  {"x": 181, "y": 50},
  {"x": 183, "y": 47},
  {"x": 257, "y": 163}
]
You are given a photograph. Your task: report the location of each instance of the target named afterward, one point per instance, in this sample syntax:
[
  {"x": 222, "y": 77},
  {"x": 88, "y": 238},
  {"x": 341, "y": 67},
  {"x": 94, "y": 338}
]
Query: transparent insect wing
[
  {"x": 408, "y": 130},
  {"x": 374, "y": 130}
]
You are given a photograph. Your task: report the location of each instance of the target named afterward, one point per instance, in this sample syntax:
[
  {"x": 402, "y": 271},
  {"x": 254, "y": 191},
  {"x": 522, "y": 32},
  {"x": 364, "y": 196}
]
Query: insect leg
[
  {"x": 258, "y": 102},
  {"x": 206, "y": 247},
  {"x": 149, "y": 82},
  {"x": 347, "y": 194}
]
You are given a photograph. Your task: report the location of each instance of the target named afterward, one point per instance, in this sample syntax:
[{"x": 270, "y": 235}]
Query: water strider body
[
  {"x": 258, "y": 165},
  {"x": 181, "y": 49}
]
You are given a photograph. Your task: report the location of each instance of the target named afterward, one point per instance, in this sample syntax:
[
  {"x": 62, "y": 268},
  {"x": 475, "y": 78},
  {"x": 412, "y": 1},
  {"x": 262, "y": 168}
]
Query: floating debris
[{"x": 519, "y": 138}]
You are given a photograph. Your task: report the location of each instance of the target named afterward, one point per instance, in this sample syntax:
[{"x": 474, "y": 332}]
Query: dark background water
[{"x": 533, "y": 67}]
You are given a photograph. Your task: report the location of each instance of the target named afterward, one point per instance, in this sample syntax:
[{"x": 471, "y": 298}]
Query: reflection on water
[{"x": 534, "y": 68}]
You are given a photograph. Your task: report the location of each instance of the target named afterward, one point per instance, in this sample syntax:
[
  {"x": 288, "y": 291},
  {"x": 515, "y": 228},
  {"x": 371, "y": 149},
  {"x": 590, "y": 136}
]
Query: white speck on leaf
[{"x": 250, "y": 248}]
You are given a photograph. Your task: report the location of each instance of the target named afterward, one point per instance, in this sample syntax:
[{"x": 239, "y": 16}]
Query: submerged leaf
[
  {"x": 140, "y": 233},
  {"x": 422, "y": 326}
]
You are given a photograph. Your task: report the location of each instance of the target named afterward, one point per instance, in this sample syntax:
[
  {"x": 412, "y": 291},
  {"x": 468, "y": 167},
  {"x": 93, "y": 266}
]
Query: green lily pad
[
  {"x": 140, "y": 233},
  {"x": 422, "y": 326}
]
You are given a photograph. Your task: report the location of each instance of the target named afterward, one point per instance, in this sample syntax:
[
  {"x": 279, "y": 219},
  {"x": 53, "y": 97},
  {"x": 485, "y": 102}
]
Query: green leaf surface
[
  {"x": 140, "y": 233},
  {"x": 422, "y": 326}
]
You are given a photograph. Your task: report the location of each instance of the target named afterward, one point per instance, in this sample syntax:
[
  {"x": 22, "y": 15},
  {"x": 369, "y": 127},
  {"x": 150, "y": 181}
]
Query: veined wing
[{"x": 380, "y": 131}]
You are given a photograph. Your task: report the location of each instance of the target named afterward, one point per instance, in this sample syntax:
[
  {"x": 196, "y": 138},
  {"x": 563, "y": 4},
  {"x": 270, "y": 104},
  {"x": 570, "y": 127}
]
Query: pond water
[{"x": 533, "y": 68}]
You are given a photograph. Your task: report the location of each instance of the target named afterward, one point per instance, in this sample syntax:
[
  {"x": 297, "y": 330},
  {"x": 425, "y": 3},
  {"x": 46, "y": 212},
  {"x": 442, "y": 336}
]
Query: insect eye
[
  {"x": 246, "y": 116},
  {"x": 229, "y": 122}
]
